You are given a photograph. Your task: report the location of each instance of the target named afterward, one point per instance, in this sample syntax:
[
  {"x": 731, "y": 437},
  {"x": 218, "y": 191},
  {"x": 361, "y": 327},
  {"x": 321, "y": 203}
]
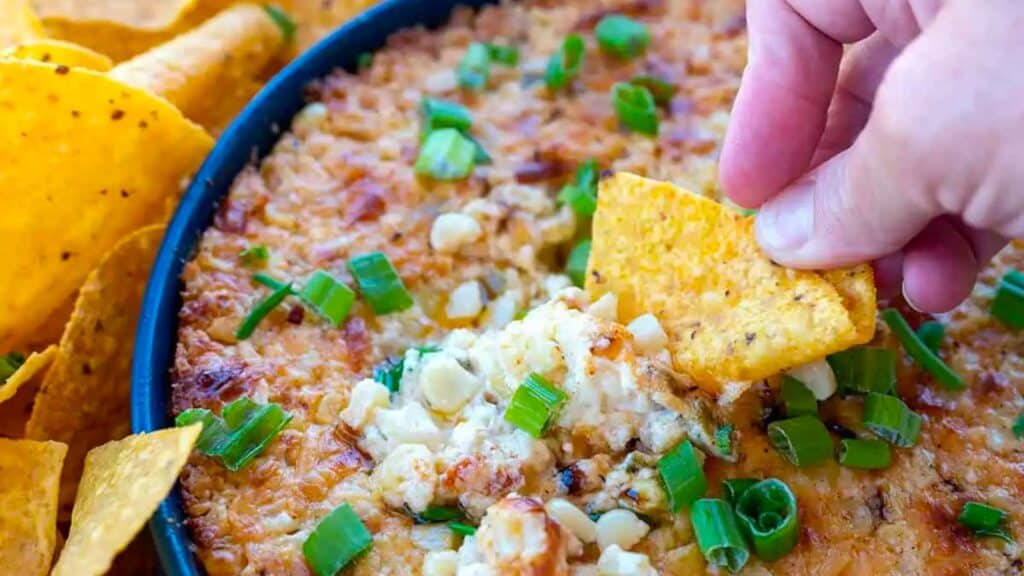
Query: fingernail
[{"x": 784, "y": 223}]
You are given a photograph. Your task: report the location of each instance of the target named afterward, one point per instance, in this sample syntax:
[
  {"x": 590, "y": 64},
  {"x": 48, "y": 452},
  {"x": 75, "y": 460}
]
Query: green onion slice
[
  {"x": 337, "y": 540},
  {"x": 389, "y": 373},
  {"x": 622, "y": 36},
  {"x": 803, "y": 440},
  {"x": 1008, "y": 304},
  {"x": 723, "y": 439},
  {"x": 718, "y": 535},
  {"x": 504, "y": 55},
  {"x": 439, "y": 514},
  {"x": 733, "y": 488},
  {"x": 254, "y": 256},
  {"x": 582, "y": 201},
  {"x": 446, "y": 154},
  {"x": 576, "y": 264},
  {"x": 214, "y": 435},
  {"x": 9, "y": 364},
  {"x": 364, "y": 60},
  {"x": 534, "y": 405},
  {"x": 682, "y": 476},
  {"x": 379, "y": 283},
  {"x": 767, "y": 515},
  {"x": 661, "y": 90},
  {"x": 920, "y": 352},
  {"x": 475, "y": 67},
  {"x": 797, "y": 399},
  {"x": 565, "y": 64},
  {"x": 635, "y": 108},
  {"x": 268, "y": 281},
  {"x": 932, "y": 333},
  {"x": 330, "y": 298},
  {"x": 438, "y": 114},
  {"x": 261, "y": 310},
  {"x": 243, "y": 431},
  {"x": 864, "y": 369},
  {"x": 890, "y": 419},
  {"x": 282, "y": 20},
  {"x": 984, "y": 520},
  {"x": 866, "y": 454},
  {"x": 1018, "y": 426},
  {"x": 463, "y": 529}
]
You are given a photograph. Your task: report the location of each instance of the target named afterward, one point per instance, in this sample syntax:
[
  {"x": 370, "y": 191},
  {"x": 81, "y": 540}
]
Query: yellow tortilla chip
[
  {"x": 122, "y": 485},
  {"x": 59, "y": 52},
  {"x": 857, "y": 288},
  {"x": 34, "y": 364},
  {"x": 316, "y": 18},
  {"x": 85, "y": 397},
  {"x": 29, "y": 473},
  {"x": 87, "y": 160},
  {"x": 18, "y": 23},
  {"x": 224, "y": 56},
  {"x": 147, "y": 14},
  {"x": 731, "y": 314}
]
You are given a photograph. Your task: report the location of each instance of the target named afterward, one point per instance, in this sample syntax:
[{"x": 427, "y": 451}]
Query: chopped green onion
[
  {"x": 438, "y": 114},
  {"x": 661, "y": 90},
  {"x": 565, "y": 64},
  {"x": 504, "y": 55},
  {"x": 718, "y": 535},
  {"x": 576, "y": 264},
  {"x": 446, "y": 154},
  {"x": 866, "y": 454},
  {"x": 735, "y": 487},
  {"x": 9, "y": 364},
  {"x": 330, "y": 298},
  {"x": 261, "y": 310},
  {"x": 890, "y": 419},
  {"x": 282, "y": 20},
  {"x": 723, "y": 439},
  {"x": 931, "y": 334},
  {"x": 480, "y": 155},
  {"x": 389, "y": 373},
  {"x": 439, "y": 514},
  {"x": 364, "y": 60},
  {"x": 919, "y": 352},
  {"x": 582, "y": 201},
  {"x": 475, "y": 67},
  {"x": 1008, "y": 304},
  {"x": 803, "y": 440},
  {"x": 622, "y": 36},
  {"x": 864, "y": 369},
  {"x": 268, "y": 281},
  {"x": 635, "y": 108},
  {"x": 682, "y": 476},
  {"x": 214, "y": 435},
  {"x": 1018, "y": 426},
  {"x": 534, "y": 405},
  {"x": 337, "y": 540},
  {"x": 254, "y": 256},
  {"x": 767, "y": 515},
  {"x": 797, "y": 399},
  {"x": 379, "y": 283},
  {"x": 984, "y": 520},
  {"x": 463, "y": 529}
]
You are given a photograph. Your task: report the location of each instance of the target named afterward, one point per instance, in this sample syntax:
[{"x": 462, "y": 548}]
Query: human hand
[{"x": 907, "y": 150}]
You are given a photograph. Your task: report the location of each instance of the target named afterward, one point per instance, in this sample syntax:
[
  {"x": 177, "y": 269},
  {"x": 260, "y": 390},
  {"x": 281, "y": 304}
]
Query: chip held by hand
[{"x": 731, "y": 313}]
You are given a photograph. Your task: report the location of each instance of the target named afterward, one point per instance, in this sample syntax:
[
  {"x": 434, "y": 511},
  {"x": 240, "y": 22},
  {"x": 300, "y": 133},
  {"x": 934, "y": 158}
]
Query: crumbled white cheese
[
  {"x": 648, "y": 334},
  {"x": 501, "y": 311},
  {"x": 367, "y": 396},
  {"x": 465, "y": 302},
  {"x": 620, "y": 528},
  {"x": 606, "y": 308},
  {"x": 572, "y": 518},
  {"x": 407, "y": 477},
  {"x": 440, "y": 562},
  {"x": 410, "y": 424},
  {"x": 445, "y": 384},
  {"x": 516, "y": 536},
  {"x": 452, "y": 231},
  {"x": 615, "y": 561},
  {"x": 433, "y": 537}
]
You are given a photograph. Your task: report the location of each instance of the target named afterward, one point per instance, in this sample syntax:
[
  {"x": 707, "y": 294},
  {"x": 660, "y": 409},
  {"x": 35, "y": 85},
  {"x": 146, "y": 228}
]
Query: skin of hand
[{"x": 883, "y": 130}]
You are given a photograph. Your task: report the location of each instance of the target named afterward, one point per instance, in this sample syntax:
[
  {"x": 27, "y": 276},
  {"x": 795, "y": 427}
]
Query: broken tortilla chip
[
  {"x": 87, "y": 160},
  {"x": 36, "y": 362},
  {"x": 731, "y": 314},
  {"x": 59, "y": 52},
  {"x": 85, "y": 398},
  {"x": 29, "y": 474},
  {"x": 19, "y": 23},
  {"x": 225, "y": 56},
  {"x": 122, "y": 485}
]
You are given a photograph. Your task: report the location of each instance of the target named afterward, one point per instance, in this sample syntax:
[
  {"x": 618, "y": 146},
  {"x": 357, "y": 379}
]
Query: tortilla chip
[
  {"x": 146, "y": 15},
  {"x": 85, "y": 397},
  {"x": 857, "y": 288},
  {"x": 731, "y": 314},
  {"x": 87, "y": 160},
  {"x": 29, "y": 473},
  {"x": 59, "y": 52},
  {"x": 19, "y": 23},
  {"x": 224, "y": 56},
  {"x": 315, "y": 19},
  {"x": 122, "y": 485},
  {"x": 36, "y": 362}
]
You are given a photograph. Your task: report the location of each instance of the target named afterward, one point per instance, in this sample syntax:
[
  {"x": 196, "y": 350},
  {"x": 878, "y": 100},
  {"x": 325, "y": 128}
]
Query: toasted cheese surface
[{"x": 483, "y": 258}]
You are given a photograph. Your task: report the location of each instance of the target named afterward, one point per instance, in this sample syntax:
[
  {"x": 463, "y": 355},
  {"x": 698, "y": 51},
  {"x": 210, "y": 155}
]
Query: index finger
[{"x": 782, "y": 105}]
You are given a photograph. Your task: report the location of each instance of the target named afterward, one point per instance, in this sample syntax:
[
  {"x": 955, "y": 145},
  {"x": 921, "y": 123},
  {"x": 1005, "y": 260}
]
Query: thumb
[{"x": 843, "y": 212}]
